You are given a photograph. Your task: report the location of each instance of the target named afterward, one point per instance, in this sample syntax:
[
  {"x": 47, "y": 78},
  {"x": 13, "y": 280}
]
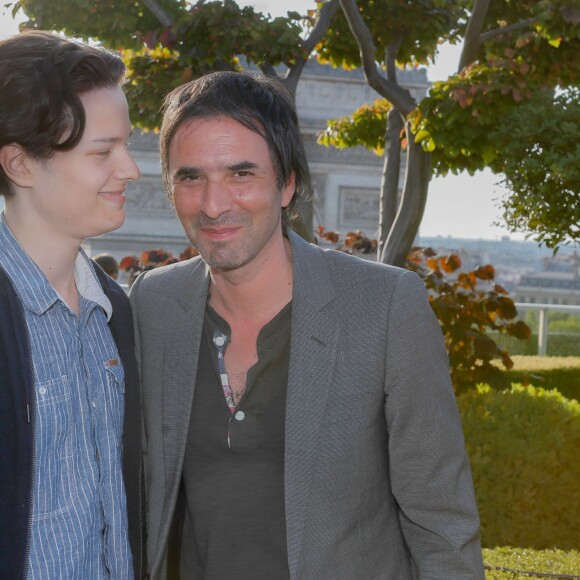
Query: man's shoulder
[
  {"x": 174, "y": 272},
  {"x": 347, "y": 266},
  {"x": 168, "y": 280}
]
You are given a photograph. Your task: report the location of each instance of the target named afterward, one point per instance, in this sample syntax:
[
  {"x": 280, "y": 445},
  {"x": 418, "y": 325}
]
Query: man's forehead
[{"x": 190, "y": 125}]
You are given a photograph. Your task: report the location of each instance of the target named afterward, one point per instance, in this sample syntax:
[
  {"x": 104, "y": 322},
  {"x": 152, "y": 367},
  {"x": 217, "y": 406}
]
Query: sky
[{"x": 461, "y": 206}]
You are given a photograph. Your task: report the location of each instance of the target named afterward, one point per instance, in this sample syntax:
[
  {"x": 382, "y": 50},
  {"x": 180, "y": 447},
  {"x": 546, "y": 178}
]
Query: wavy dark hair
[
  {"x": 258, "y": 102},
  {"x": 42, "y": 77}
]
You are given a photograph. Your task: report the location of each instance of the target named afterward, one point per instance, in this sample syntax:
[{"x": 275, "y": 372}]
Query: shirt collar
[
  {"x": 88, "y": 284},
  {"x": 31, "y": 284}
]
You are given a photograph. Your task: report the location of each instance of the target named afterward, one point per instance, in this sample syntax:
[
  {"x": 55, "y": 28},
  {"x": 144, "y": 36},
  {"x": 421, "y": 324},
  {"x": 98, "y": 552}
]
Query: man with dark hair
[
  {"x": 299, "y": 417},
  {"x": 70, "y": 417},
  {"x": 108, "y": 264}
]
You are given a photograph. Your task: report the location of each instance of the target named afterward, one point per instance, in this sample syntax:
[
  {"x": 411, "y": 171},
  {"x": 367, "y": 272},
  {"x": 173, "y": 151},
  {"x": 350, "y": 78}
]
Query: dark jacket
[{"x": 17, "y": 426}]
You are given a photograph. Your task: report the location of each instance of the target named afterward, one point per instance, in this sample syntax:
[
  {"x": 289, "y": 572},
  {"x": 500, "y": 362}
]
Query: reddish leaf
[
  {"x": 450, "y": 263},
  {"x": 520, "y": 330},
  {"x": 188, "y": 252},
  {"x": 485, "y": 272},
  {"x": 331, "y": 237},
  {"x": 507, "y": 309},
  {"x": 128, "y": 263}
]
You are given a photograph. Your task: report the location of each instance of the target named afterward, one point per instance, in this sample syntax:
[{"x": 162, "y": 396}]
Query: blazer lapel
[
  {"x": 314, "y": 339},
  {"x": 181, "y": 350}
]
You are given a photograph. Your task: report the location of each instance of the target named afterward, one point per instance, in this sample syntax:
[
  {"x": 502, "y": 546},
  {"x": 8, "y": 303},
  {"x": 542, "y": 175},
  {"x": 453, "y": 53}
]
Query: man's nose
[
  {"x": 129, "y": 168},
  {"x": 217, "y": 199}
]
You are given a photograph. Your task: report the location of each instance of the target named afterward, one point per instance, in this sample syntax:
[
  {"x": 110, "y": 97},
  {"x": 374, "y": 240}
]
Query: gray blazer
[{"x": 377, "y": 481}]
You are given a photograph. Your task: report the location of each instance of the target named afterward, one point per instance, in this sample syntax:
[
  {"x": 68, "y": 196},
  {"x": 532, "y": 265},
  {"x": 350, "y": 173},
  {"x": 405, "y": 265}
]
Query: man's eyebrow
[
  {"x": 185, "y": 173},
  {"x": 242, "y": 166}
]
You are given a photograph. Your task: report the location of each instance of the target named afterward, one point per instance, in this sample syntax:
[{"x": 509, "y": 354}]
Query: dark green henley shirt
[{"x": 235, "y": 525}]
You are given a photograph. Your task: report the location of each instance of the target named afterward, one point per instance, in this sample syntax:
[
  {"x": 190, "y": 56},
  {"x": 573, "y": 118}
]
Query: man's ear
[
  {"x": 289, "y": 190},
  {"x": 16, "y": 164}
]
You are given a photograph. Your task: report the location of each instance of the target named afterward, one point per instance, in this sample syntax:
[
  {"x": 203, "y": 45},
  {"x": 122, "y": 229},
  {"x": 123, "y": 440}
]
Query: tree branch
[
  {"x": 159, "y": 12},
  {"x": 399, "y": 97},
  {"x": 391, "y": 57},
  {"x": 506, "y": 29},
  {"x": 472, "y": 41},
  {"x": 326, "y": 14}
]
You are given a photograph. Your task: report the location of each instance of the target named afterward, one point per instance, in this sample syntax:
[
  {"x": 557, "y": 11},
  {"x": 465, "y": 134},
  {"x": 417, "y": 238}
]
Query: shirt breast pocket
[
  {"x": 116, "y": 397},
  {"x": 55, "y": 487}
]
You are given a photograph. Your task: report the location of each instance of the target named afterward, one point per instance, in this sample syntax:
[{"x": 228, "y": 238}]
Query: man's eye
[
  {"x": 104, "y": 153},
  {"x": 242, "y": 173}
]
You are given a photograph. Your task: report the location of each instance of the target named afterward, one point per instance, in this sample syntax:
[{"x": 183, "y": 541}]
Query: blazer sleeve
[{"x": 430, "y": 473}]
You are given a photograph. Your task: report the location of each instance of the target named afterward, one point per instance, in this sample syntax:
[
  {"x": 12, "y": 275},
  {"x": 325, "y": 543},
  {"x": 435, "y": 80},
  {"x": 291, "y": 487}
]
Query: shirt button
[
  {"x": 42, "y": 390},
  {"x": 240, "y": 415},
  {"x": 94, "y": 405}
]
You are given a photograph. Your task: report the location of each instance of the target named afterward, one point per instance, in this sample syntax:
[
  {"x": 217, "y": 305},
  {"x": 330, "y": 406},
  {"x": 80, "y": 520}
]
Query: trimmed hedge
[
  {"x": 561, "y": 373},
  {"x": 552, "y": 562},
  {"x": 523, "y": 446}
]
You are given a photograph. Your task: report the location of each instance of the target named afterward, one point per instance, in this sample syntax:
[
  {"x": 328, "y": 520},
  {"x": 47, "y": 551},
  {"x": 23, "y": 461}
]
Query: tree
[
  {"x": 514, "y": 54},
  {"x": 168, "y": 42}
]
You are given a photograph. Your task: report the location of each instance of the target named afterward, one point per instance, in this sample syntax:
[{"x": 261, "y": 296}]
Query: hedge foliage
[
  {"x": 523, "y": 446},
  {"x": 549, "y": 372},
  {"x": 553, "y": 562}
]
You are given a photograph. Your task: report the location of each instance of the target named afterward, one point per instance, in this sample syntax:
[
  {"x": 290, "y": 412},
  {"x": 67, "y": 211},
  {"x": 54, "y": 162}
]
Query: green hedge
[
  {"x": 553, "y": 562},
  {"x": 523, "y": 446},
  {"x": 556, "y": 372}
]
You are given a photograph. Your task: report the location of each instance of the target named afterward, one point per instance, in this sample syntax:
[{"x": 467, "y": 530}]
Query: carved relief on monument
[
  {"x": 147, "y": 195},
  {"x": 359, "y": 207}
]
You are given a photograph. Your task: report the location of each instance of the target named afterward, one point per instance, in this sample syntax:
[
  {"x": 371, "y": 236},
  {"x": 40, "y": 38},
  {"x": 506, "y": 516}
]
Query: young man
[
  {"x": 69, "y": 395},
  {"x": 300, "y": 399}
]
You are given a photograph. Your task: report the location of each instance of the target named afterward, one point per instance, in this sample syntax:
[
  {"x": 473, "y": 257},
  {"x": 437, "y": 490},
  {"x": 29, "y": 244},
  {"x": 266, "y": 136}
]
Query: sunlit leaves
[
  {"x": 541, "y": 147},
  {"x": 417, "y": 26},
  {"x": 365, "y": 127},
  {"x": 204, "y": 36}
]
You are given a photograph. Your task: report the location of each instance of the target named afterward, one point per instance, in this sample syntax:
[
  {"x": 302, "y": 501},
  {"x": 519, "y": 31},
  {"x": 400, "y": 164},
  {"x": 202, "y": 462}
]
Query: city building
[{"x": 557, "y": 282}]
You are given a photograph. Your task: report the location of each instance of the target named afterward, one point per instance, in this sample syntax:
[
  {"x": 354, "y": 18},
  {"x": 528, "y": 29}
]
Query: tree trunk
[
  {"x": 412, "y": 205},
  {"x": 389, "y": 195}
]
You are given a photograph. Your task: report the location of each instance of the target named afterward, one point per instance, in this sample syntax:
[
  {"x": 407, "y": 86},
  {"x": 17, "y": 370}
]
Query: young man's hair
[
  {"x": 42, "y": 77},
  {"x": 259, "y": 103}
]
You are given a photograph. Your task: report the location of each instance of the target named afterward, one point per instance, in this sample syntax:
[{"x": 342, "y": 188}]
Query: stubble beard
[
  {"x": 217, "y": 255},
  {"x": 230, "y": 255}
]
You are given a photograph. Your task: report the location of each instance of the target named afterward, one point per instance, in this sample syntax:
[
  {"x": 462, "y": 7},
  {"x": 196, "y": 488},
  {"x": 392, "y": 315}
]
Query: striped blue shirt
[{"x": 79, "y": 517}]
